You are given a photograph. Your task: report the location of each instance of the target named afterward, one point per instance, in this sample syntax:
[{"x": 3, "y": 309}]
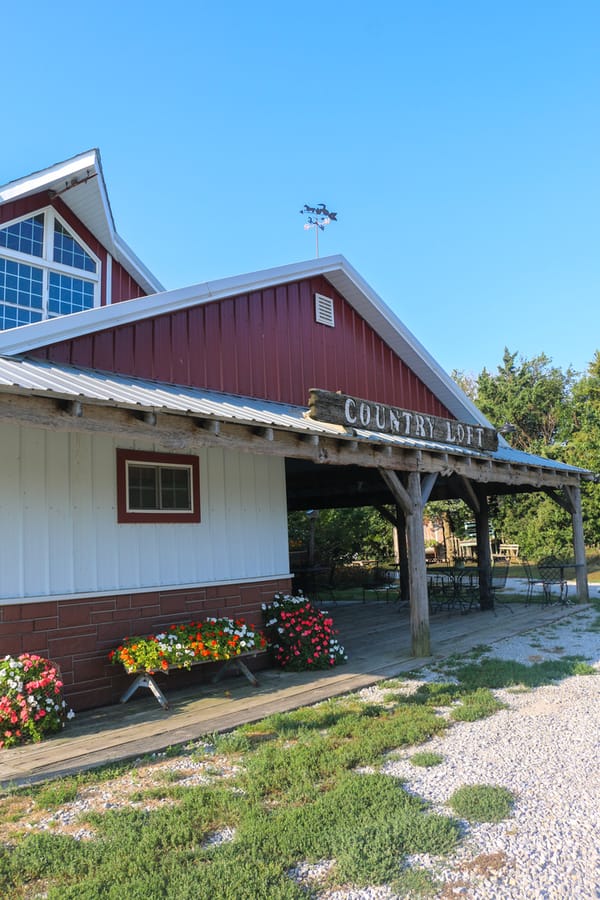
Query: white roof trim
[
  {"x": 41, "y": 378},
  {"x": 31, "y": 184},
  {"x": 337, "y": 270},
  {"x": 101, "y": 224}
]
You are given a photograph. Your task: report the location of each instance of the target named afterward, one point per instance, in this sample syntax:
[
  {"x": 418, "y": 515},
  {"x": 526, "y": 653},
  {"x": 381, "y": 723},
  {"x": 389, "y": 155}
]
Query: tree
[
  {"x": 537, "y": 398},
  {"x": 534, "y": 396},
  {"x": 341, "y": 535},
  {"x": 584, "y": 446}
]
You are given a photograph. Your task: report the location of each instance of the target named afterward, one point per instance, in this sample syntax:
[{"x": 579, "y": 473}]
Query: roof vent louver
[{"x": 324, "y": 310}]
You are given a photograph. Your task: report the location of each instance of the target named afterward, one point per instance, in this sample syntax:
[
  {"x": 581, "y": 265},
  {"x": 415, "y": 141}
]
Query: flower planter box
[
  {"x": 146, "y": 679},
  {"x": 181, "y": 646}
]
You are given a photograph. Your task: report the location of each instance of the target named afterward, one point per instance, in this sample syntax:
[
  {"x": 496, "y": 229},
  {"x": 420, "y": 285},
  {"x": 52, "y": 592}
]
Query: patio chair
[
  {"x": 552, "y": 573},
  {"x": 533, "y": 580},
  {"x": 440, "y": 590},
  {"x": 324, "y": 585},
  {"x": 498, "y": 584}
]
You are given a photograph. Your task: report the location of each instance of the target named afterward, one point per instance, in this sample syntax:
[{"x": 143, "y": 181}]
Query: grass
[
  {"x": 298, "y": 797},
  {"x": 482, "y": 803},
  {"x": 426, "y": 759},
  {"x": 304, "y": 786}
]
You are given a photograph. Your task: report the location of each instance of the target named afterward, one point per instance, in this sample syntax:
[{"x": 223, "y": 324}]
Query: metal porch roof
[{"x": 33, "y": 377}]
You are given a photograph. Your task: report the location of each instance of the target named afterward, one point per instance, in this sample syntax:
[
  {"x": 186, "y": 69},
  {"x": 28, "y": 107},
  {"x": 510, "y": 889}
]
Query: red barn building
[{"x": 153, "y": 441}]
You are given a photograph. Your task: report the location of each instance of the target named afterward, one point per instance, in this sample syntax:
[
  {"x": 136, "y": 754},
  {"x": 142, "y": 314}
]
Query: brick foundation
[{"x": 78, "y": 634}]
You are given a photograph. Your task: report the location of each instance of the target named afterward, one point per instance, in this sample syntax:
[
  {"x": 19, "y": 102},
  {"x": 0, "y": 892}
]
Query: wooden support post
[
  {"x": 417, "y": 571},
  {"x": 402, "y": 555},
  {"x": 574, "y": 495},
  {"x": 484, "y": 556},
  {"x": 410, "y": 501}
]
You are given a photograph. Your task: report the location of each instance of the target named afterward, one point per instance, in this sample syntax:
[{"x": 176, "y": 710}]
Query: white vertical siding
[{"x": 58, "y": 520}]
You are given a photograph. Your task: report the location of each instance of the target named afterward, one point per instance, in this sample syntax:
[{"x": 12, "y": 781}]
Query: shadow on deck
[{"x": 376, "y": 637}]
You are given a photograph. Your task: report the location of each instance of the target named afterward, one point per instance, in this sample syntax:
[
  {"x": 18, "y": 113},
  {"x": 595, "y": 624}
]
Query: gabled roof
[
  {"x": 79, "y": 182},
  {"x": 337, "y": 270}
]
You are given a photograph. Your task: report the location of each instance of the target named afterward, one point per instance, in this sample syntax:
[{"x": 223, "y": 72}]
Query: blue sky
[{"x": 459, "y": 143}]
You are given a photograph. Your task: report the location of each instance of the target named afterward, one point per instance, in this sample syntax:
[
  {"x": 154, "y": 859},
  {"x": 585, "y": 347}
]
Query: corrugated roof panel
[{"x": 39, "y": 377}]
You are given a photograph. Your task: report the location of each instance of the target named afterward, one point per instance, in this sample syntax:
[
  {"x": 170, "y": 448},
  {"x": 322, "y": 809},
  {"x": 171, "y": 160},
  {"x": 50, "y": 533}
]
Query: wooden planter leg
[
  {"x": 241, "y": 666},
  {"x": 145, "y": 680}
]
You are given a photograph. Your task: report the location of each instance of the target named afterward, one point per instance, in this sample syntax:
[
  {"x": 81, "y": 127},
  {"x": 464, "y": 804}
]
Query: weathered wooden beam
[
  {"x": 212, "y": 426},
  {"x": 388, "y": 515},
  {"x": 74, "y": 408},
  {"x": 427, "y": 485},
  {"x": 176, "y": 431},
  {"x": 398, "y": 491},
  {"x": 468, "y": 494},
  {"x": 562, "y": 499},
  {"x": 583, "y": 594},
  {"x": 266, "y": 434},
  {"x": 312, "y": 439},
  {"x": 417, "y": 569}
]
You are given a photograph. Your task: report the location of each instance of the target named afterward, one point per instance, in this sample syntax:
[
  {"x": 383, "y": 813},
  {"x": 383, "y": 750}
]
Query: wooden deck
[{"x": 376, "y": 637}]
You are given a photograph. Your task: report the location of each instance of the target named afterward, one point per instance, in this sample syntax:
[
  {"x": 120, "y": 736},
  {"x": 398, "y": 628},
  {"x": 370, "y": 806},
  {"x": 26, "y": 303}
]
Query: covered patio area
[{"x": 377, "y": 639}]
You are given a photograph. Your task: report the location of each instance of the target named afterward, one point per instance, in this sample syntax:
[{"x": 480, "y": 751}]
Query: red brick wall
[{"x": 78, "y": 634}]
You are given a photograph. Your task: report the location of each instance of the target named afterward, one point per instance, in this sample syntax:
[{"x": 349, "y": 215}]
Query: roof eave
[
  {"x": 66, "y": 179},
  {"x": 335, "y": 268}
]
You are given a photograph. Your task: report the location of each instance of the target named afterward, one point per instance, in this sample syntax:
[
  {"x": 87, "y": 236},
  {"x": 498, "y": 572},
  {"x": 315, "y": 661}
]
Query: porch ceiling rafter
[{"x": 179, "y": 431}]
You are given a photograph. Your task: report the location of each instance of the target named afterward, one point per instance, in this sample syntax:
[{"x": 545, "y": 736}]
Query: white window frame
[{"x": 46, "y": 263}]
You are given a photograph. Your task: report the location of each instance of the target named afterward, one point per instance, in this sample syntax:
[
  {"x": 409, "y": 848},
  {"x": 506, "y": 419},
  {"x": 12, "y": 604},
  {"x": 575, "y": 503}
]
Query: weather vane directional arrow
[{"x": 317, "y": 217}]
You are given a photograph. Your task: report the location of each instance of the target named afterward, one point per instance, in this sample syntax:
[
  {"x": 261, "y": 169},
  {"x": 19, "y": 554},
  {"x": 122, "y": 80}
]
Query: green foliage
[
  {"x": 342, "y": 535},
  {"x": 500, "y": 673},
  {"x": 557, "y": 416},
  {"x": 482, "y": 803},
  {"x": 56, "y": 793},
  {"x": 531, "y": 394},
  {"x": 298, "y": 798},
  {"x": 478, "y": 704},
  {"x": 426, "y": 759}
]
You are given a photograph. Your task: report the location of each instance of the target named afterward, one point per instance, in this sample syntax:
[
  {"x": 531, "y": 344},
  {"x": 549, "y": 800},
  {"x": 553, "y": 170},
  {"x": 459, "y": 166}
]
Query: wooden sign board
[{"x": 340, "y": 409}]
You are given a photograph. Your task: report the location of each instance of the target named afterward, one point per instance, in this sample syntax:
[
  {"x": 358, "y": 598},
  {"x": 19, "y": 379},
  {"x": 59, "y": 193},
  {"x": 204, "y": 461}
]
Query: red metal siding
[
  {"x": 264, "y": 344},
  {"x": 123, "y": 286}
]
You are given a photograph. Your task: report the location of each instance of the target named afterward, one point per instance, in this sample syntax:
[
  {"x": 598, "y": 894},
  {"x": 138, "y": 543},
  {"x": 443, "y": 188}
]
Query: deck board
[{"x": 376, "y": 636}]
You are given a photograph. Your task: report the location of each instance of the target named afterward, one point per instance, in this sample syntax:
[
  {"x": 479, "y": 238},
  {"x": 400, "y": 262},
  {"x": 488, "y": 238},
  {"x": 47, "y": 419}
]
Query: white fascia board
[
  {"x": 336, "y": 268},
  {"x": 63, "y": 328},
  {"x": 387, "y": 324},
  {"x": 31, "y": 184},
  {"x": 55, "y": 178},
  {"x": 125, "y": 255}
]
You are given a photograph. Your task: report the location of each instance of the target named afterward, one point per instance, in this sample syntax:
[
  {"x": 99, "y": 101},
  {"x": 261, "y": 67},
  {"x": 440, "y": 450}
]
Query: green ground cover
[{"x": 303, "y": 787}]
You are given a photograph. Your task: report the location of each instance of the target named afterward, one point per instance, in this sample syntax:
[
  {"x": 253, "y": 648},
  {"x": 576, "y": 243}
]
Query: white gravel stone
[{"x": 545, "y": 749}]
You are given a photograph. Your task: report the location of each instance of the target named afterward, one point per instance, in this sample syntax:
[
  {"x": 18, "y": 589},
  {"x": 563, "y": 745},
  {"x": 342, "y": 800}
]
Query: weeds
[
  {"x": 298, "y": 793},
  {"x": 426, "y": 759},
  {"x": 482, "y": 803}
]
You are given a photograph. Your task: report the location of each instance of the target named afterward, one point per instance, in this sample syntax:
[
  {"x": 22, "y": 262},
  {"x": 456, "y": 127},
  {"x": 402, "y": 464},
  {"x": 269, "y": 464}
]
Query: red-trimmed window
[{"x": 157, "y": 487}]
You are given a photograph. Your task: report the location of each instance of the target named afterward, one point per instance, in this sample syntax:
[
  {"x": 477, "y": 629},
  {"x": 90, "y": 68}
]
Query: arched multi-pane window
[{"x": 45, "y": 271}]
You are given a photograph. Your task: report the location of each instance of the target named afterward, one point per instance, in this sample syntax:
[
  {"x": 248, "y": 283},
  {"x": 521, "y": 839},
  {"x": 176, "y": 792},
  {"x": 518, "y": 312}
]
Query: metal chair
[
  {"x": 552, "y": 573},
  {"x": 498, "y": 584},
  {"x": 532, "y": 581}
]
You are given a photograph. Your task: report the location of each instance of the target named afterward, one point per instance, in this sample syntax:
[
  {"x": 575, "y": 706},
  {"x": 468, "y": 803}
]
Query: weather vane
[{"x": 318, "y": 217}]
